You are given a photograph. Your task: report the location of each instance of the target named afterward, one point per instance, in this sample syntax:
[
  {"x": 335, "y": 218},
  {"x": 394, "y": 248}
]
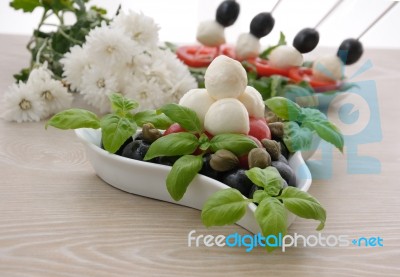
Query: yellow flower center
[
  {"x": 101, "y": 83},
  {"x": 47, "y": 95},
  {"x": 143, "y": 95},
  {"x": 110, "y": 49},
  {"x": 25, "y": 105}
]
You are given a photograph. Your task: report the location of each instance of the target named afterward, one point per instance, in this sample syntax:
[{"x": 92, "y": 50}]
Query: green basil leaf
[
  {"x": 271, "y": 216},
  {"x": 185, "y": 117},
  {"x": 315, "y": 120},
  {"x": 296, "y": 138},
  {"x": 267, "y": 52},
  {"x": 236, "y": 143},
  {"x": 160, "y": 121},
  {"x": 269, "y": 86},
  {"x": 176, "y": 144},
  {"x": 115, "y": 130},
  {"x": 267, "y": 178},
  {"x": 122, "y": 105},
  {"x": 224, "y": 207},
  {"x": 304, "y": 205},
  {"x": 25, "y": 5},
  {"x": 284, "y": 108},
  {"x": 260, "y": 195},
  {"x": 310, "y": 114},
  {"x": 327, "y": 131},
  {"x": 74, "y": 119},
  {"x": 300, "y": 95},
  {"x": 181, "y": 175}
]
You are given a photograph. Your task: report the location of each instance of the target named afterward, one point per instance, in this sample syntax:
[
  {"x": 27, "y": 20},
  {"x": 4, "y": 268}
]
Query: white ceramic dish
[{"x": 148, "y": 179}]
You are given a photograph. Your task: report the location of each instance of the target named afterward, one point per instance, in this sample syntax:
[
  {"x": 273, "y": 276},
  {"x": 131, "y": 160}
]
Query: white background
[{"x": 178, "y": 19}]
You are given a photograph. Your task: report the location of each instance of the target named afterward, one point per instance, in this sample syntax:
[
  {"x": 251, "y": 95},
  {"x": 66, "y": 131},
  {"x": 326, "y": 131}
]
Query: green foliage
[
  {"x": 50, "y": 46},
  {"x": 228, "y": 206},
  {"x": 302, "y": 123},
  {"x": 116, "y": 127}
]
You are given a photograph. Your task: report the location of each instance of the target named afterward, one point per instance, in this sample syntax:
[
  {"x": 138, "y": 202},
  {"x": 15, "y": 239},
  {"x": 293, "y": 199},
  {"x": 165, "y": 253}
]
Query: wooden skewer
[
  {"x": 276, "y": 5},
  {"x": 391, "y": 6},
  {"x": 337, "y": 4}
]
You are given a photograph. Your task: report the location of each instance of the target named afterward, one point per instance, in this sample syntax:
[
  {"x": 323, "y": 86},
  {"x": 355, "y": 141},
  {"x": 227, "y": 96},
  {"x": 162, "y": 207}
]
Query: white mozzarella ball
[
  {"x": 328, "y": 68},
  {"x": 225, "y": 78},
  {"x": 227, "y": 115},
  {"x": 247, "y": 46},
  {"x": 198, "y": 100},
  {"x": 210, "y": 33},
  {"x": 253, "y": 102},
  {"x": 285, "y": 56}
]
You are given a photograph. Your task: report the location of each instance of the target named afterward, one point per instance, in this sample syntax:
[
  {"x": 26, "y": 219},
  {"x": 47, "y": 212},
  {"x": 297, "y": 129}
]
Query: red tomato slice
[
  {"x": 305, "y": 74},
  {"x": 202, "y": 56},
  {"x": 264, "y": 69},
  {"x": 197, "y": 55}
]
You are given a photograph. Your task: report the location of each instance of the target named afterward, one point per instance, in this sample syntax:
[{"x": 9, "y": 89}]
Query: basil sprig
[
  {"x": 116, "y": 127},
  {"x": 228, "y": 206},
  {"x": 267, "y": 52},
  {"x": 302, "y": 123}
]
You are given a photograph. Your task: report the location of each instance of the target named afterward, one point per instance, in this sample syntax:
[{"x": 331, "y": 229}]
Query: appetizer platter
[
  {"x": 214, "y": 151},
  {"x": 215, "y": 127}
]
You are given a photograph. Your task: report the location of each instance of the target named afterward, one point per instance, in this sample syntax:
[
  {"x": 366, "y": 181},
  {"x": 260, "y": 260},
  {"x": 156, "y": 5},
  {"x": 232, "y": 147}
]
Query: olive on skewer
[
  {"x": 212, "y": 32},
  {"x": 306, "y": 40},
  {"x": 248, "y": 44}
]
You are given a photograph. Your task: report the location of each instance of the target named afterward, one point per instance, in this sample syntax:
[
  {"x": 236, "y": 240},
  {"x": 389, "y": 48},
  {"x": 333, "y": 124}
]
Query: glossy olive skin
[
  {"x": 350, "y": 51},
  {"x": 227, "y": 13},
  {"x": 306, "y": 40},
  {"x": 261, "y": 25}
]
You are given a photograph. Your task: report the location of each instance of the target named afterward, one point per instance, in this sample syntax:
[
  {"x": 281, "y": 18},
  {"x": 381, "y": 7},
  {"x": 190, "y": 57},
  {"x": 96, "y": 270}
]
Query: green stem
[
  {"x": 64, "y": 34},
  {"x": 69, "y": 37},
  {"x": 39, "y": 53},
  {"x": 45, "y": 15},
  {"x": 61, "y": 18}
]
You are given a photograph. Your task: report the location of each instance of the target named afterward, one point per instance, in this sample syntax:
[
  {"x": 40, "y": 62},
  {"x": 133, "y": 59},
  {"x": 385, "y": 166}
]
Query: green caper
[
  {"x": 259, "y": 157},
  {"x": 223, "y": 160},
  {"x": 273, "y": 148},
  {"x": 150, "y": 133},
  {"x": 276, "y": 129}
]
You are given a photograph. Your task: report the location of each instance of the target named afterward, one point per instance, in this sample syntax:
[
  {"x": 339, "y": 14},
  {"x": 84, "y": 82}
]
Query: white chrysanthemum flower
[
  {"x": 40, "y": 74},
  {"x": 21, "y": 105},
  {"x": 97, "y": 84},
  {"x": 138, "y": 27},
  {"x": 74, "y": 63},
  {"x": 177, "y": 77},
  {"x": 54, "y": 95},
  {"x": 146, "y": 90},
  {"x": 109, "y": 46}
]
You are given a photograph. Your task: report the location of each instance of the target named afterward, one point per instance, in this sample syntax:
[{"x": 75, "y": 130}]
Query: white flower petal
[{"x": 21, "y": 105}]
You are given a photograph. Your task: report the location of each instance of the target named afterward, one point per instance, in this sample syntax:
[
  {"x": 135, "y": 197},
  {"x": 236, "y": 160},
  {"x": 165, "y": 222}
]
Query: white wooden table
[{"x": 57, "y": 218}]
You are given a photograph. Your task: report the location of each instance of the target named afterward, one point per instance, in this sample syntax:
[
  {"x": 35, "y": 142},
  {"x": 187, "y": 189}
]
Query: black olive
[
  {"x": 306, "y": 40},
  {"x": 227, "y": 13},
  {"x": 350, "y": 51},
  {"x": 262, "y": 24}
]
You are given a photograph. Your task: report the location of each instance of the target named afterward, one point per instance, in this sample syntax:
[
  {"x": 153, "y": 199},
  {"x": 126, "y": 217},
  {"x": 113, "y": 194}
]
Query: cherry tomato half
[
  {"x": 202, "y": 56},
  {"x": 264, "y": 69},
  {"x": 299, "y": 74}
]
